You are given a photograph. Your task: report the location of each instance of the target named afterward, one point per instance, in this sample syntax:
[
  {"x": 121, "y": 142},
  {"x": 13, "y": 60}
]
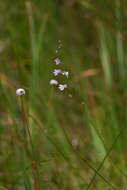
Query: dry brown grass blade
[
  {"x": 87, "y": 73},
  {"x": 7, "y": 82}
]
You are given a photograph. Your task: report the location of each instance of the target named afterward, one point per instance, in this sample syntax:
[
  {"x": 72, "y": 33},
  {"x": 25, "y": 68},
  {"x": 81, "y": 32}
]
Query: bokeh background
[{"x": 74, "y": 139}]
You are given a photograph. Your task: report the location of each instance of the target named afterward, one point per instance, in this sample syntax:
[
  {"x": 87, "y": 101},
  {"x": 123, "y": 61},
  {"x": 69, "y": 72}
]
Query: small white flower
[
  {"x": 66, "y": 73},
  {"x": 53, "y": 82},
  {"x": 20, "y": 92},
  {"x": 62, "y": 86},
  {"x": 57, "y": 61},
  {"x": 56, "y": 72}
]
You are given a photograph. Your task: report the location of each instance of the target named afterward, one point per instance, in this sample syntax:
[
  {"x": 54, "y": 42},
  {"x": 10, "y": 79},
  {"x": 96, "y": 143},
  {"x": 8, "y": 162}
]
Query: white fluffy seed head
[{"x": 20, "y": 92}]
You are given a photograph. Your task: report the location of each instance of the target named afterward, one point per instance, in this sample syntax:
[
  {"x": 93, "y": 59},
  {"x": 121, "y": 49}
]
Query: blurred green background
[{"x": 74, "y": 139}]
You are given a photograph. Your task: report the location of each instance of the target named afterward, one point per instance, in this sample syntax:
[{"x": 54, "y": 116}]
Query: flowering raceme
[{"x": 57, "y": 72}]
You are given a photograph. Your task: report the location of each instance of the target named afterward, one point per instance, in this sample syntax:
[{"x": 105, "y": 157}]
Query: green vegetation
[{"x": 74, "y": 139}]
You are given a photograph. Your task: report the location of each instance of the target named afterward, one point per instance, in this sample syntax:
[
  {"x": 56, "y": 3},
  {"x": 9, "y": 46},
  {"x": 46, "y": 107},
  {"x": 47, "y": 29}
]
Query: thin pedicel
[{"x": 20, "y": 92}]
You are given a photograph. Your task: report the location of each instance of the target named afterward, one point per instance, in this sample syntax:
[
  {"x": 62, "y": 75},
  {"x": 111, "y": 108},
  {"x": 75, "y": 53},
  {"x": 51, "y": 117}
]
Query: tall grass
[{"x": 75, "y": 139}]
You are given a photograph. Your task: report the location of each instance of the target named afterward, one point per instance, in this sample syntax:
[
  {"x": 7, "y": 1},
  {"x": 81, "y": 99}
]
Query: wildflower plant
[
  {"x": 58, "y": 73},
  {"x": 29, "y": 148}
]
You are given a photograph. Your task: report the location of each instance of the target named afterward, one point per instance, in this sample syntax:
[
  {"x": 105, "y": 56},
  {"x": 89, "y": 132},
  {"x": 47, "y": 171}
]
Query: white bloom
[
  {"x": 66, "y": 73},
  {"x": 62, "y": 86},
  {"x": 20, "y": 91},
  {"x": 53, "y": 82}
]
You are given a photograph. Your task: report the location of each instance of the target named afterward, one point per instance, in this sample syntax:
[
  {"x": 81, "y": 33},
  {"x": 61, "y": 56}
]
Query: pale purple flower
[
  {"x": 62, "y": 86},
  {"x": 66, "y": 73},
  {"x": 53, "y": 82},
  {"x": 56, "y": 72},
  {"x": 57, "y": 61}
]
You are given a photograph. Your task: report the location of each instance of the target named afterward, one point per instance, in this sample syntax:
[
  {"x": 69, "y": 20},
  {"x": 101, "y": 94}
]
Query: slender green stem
[
  {"x": 106, "y": 156},
  {"x": 34, "y": 166},
  {"x": 87, "y": 163}
]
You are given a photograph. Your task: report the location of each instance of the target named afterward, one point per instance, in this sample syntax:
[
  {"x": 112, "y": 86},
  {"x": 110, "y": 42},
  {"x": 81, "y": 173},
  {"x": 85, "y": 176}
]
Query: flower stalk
[{"x": 28, "y": 139}]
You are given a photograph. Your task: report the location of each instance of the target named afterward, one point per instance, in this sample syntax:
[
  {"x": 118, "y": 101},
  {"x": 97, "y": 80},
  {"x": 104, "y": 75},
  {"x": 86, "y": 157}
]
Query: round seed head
[{"x": 20, "y": 92}]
